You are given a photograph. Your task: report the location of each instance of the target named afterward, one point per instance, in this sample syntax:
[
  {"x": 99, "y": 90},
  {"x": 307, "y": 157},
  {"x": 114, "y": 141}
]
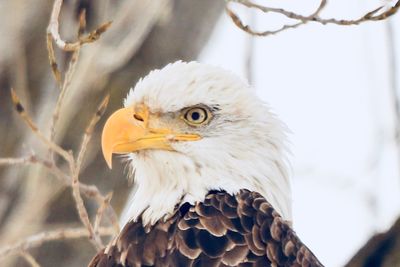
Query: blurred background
[{"x": 336, "y": 87}]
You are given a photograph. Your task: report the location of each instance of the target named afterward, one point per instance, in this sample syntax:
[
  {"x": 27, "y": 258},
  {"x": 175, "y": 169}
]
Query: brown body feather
[{"x": 242, "y": 230}]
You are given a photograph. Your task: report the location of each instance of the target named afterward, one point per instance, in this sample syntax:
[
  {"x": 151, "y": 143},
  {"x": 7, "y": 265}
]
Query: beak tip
[
  {"x": 109, "y": 161},
  {"x": 107, "y": 155}
]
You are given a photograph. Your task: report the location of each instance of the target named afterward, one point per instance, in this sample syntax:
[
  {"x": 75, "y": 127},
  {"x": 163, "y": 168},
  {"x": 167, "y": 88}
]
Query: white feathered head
[{"x": 190, "y": 128}]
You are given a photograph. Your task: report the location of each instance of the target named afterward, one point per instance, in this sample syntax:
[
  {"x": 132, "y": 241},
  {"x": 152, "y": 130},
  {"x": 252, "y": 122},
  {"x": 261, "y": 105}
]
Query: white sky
[{"x": 331, "y": 86}]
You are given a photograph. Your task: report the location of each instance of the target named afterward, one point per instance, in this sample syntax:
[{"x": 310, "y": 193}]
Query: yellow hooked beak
[{"x": 127, "y": 131}]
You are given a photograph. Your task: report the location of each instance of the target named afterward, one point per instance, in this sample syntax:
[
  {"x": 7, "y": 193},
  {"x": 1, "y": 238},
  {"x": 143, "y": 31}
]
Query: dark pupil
[{"x": 195, "y": 115}]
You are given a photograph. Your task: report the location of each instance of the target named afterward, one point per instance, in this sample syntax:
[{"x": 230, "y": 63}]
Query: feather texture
[
  {"x": 243, "y": 146},
  {"x": 224, "y": 230}
]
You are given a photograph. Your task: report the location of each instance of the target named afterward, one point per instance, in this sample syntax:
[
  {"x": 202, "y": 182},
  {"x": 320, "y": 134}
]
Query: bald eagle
[{"x": 211, "y": 185}]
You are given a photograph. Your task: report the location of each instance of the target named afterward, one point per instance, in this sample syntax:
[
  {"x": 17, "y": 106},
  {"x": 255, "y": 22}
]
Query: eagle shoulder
[{"x": 223, "y": 230}]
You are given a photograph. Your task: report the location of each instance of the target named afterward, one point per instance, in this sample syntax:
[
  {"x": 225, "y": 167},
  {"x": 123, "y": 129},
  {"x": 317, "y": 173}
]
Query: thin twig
[
  {"x": 27, "y": 119},
  {"x": 91, "y": 191},
  {"x": 100, "y": 212},
  {"x": 372, "y": 15},
  {"x": 29, "y": 259},
  {"x": 68, "y": 76},
  {"x": 52, "y": 59},
  {"x": 93, "y": 36},
  {"x": 15, "y": 161},
  {"x": 238, "y": 22},
  {"x": 50, "y": 47},
  {"x": 65, "y": 85},
  {"x": 53, "y": 30},
  {"x": 89, "y": 130},
  {"x": 39, "y": 239},
  {"x": 83, "y": 214},
  {"x": 82, "y": 23}
]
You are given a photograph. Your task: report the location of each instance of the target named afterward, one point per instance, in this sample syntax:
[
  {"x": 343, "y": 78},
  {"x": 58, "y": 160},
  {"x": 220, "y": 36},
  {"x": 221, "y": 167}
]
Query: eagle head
[{"x": 189, "y": 128}]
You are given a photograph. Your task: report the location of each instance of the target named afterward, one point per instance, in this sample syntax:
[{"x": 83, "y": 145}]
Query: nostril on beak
[{"x": 138, "y": 117}]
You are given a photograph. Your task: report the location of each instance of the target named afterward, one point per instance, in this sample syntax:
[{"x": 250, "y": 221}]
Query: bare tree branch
[
  {"x": 29, "y": 259},
  {"x": 27, "y": 119},
  {"x": 249, "y": 49},
  {"x": 374, "y": 15},
  {"x": 91, "y": 191},
  {"x": 53, "y": 30},
  {"x": 71, "y": 68},
  {"x": 100, "y": 212},
  {"x": 64, "y": 87},
  {"x": 52, "y": 59},
  {"x": 15, "y": 161},
  {"x": 60, "y": 234},
  {"x": 83, "y": 214},
  {"x": 89, "y": 130}
]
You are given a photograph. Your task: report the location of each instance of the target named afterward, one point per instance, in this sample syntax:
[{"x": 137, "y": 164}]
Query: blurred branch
[
  {"x": 117, "y": 54},
  {"x": 90, "y": 191},
  {"x": 15, "y": 161},
  {"x": 249, "y": 50},
  {"x": 373, "y": 15},
  {"x": 394, "y": 88},
  {"x": 60, "y": 234},
  {"x": 53, "y": 30},
  {"x": 30, "y": 259},
  {"x": 28, "y": 120}
]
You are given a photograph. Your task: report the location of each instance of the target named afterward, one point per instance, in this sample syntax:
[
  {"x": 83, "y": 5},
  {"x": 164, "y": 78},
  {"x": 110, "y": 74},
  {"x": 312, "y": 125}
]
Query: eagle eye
[{"x": 196, "y": 116}]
